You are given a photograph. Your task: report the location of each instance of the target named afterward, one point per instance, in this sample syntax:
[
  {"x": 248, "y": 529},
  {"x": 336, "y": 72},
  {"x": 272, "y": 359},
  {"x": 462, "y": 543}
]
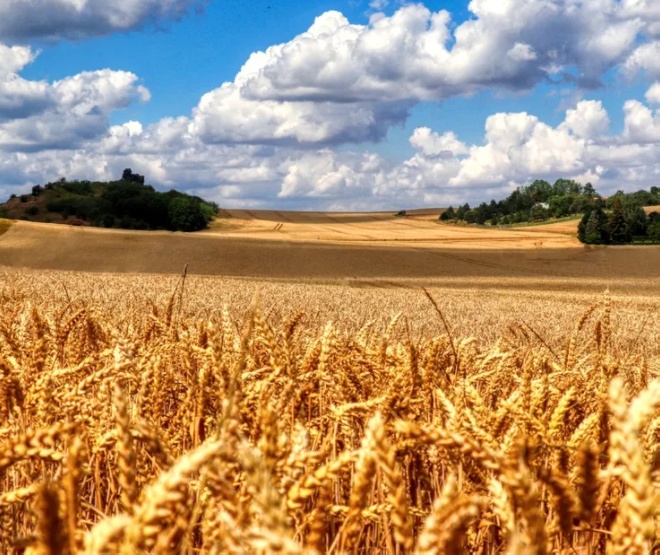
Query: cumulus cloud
[
  {"x": 22, "y": 21},
  {"x": 345, "y": 83},
  {"x": 645, "y": 58},
  {"x": 226, "y": 116},
  {"x": 431, "y": 143},
  {"x": 653, "y": 94},
  {"x": 13, "y": 59},
  {"x": 520, "y": 145},
  {"x": 66, "y": 113},
  {"x": 647, "y": 11},
  {"x": 414, "y": 54},
  {"x": 641, "y": 124},
  {"x": 588, "y": 119}
]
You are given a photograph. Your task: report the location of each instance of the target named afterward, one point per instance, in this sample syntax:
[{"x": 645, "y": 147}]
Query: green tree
[
  {"x": 185, "y": 214},
  {"x": 538, "y": 213},
  {"x": 636, "y": 218},
  {"x": 618, "y": 228},
  {"x": 462, "y": 210},
  {"x": 449, "y": 214},
  {"x": 653, "y": 226},
  {"x": 592, "y": 230},
  {"x": 582, "y": 227},
  {"x": 589, "y": 190}
]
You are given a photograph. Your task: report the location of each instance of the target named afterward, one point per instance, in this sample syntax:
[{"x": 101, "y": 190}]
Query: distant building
[{"x": 543, "y": 205}]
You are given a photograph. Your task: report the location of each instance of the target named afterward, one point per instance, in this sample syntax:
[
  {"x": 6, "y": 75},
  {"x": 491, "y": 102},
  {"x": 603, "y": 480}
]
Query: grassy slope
[{"x": 18, "y": 210}]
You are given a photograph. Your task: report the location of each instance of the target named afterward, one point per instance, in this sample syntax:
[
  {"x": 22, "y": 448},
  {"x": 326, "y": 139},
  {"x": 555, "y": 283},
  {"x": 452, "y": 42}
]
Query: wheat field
[{"x": 165, "y": 414}]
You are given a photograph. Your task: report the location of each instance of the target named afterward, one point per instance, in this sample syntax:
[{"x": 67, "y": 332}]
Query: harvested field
[
  {"x": 469, "y": 253},
  {"x": 419, "y": 227}
]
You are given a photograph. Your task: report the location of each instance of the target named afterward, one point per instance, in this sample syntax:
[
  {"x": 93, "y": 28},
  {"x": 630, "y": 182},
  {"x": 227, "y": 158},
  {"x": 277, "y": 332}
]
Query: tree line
[
  {"x": 617, "y": 221},
  {"x": 536, "y": 202},
  {"x": 614, "y": 220}
]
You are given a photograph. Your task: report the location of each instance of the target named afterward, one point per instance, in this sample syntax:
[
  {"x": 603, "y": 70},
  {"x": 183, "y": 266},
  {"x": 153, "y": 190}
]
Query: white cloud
[
  {"x": 13, "y": 59},
  {"x": 519, "y": 147},
  {"x": 344, "y": 83},
  {"x": 66, "y": 113},
  {"x": 521, "y": 52},
  {"x": 588, "y": 119},
  {"x": 431, "y": 143},
  {"x": 645, "y": 58},
  {"x": 20, "y": 98},
  {"x": 414, "y": 55},
  {"x": 75, "y": 19},
  {"x": 641, "y": 124},
  {"x": 647, "y": 11},
  {"x": 226, "y": 116},
  {"x": 378, "y": 4},
  {"x": 653, "y": 94}
]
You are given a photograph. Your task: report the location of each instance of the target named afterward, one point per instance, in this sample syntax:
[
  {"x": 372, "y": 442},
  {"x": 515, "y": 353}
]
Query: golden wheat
[{"x": 138, "y": 416}]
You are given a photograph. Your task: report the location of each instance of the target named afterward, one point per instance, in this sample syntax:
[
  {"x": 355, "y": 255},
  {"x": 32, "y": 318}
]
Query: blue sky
[{"x": 343, "y": 105}]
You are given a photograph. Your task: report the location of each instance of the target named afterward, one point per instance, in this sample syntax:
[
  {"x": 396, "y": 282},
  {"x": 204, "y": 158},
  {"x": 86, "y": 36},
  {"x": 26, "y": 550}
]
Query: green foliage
[
  {"x": 618, "y": 228},
  {"x": 131, "y": 177},
  {"x": 541, "y": 201},
  {"x": 128, "y": 204},
  {"x": 533, "y": 203},
  {"x": 595, "y": 229},
  {"x": 462, "y": 210},
  {"x": 449, "y": 214},
  {"x": 621, "y": 226},
  {"x": 653, "y": 226},
  {"x": 638, "y": 198},
  {"x": 185, "y": 214},
  {"x": 637, "y": 220},
  {"x": 76, "y": 187}
]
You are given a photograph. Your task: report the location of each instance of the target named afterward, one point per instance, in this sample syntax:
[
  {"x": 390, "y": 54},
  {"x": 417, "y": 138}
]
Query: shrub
[
  {"x": 185, "y": 214},
  {"x": 449, "y": 214}
]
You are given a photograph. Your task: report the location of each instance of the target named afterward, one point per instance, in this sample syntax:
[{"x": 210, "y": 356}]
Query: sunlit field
[{"x": 153, "y": 413}]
